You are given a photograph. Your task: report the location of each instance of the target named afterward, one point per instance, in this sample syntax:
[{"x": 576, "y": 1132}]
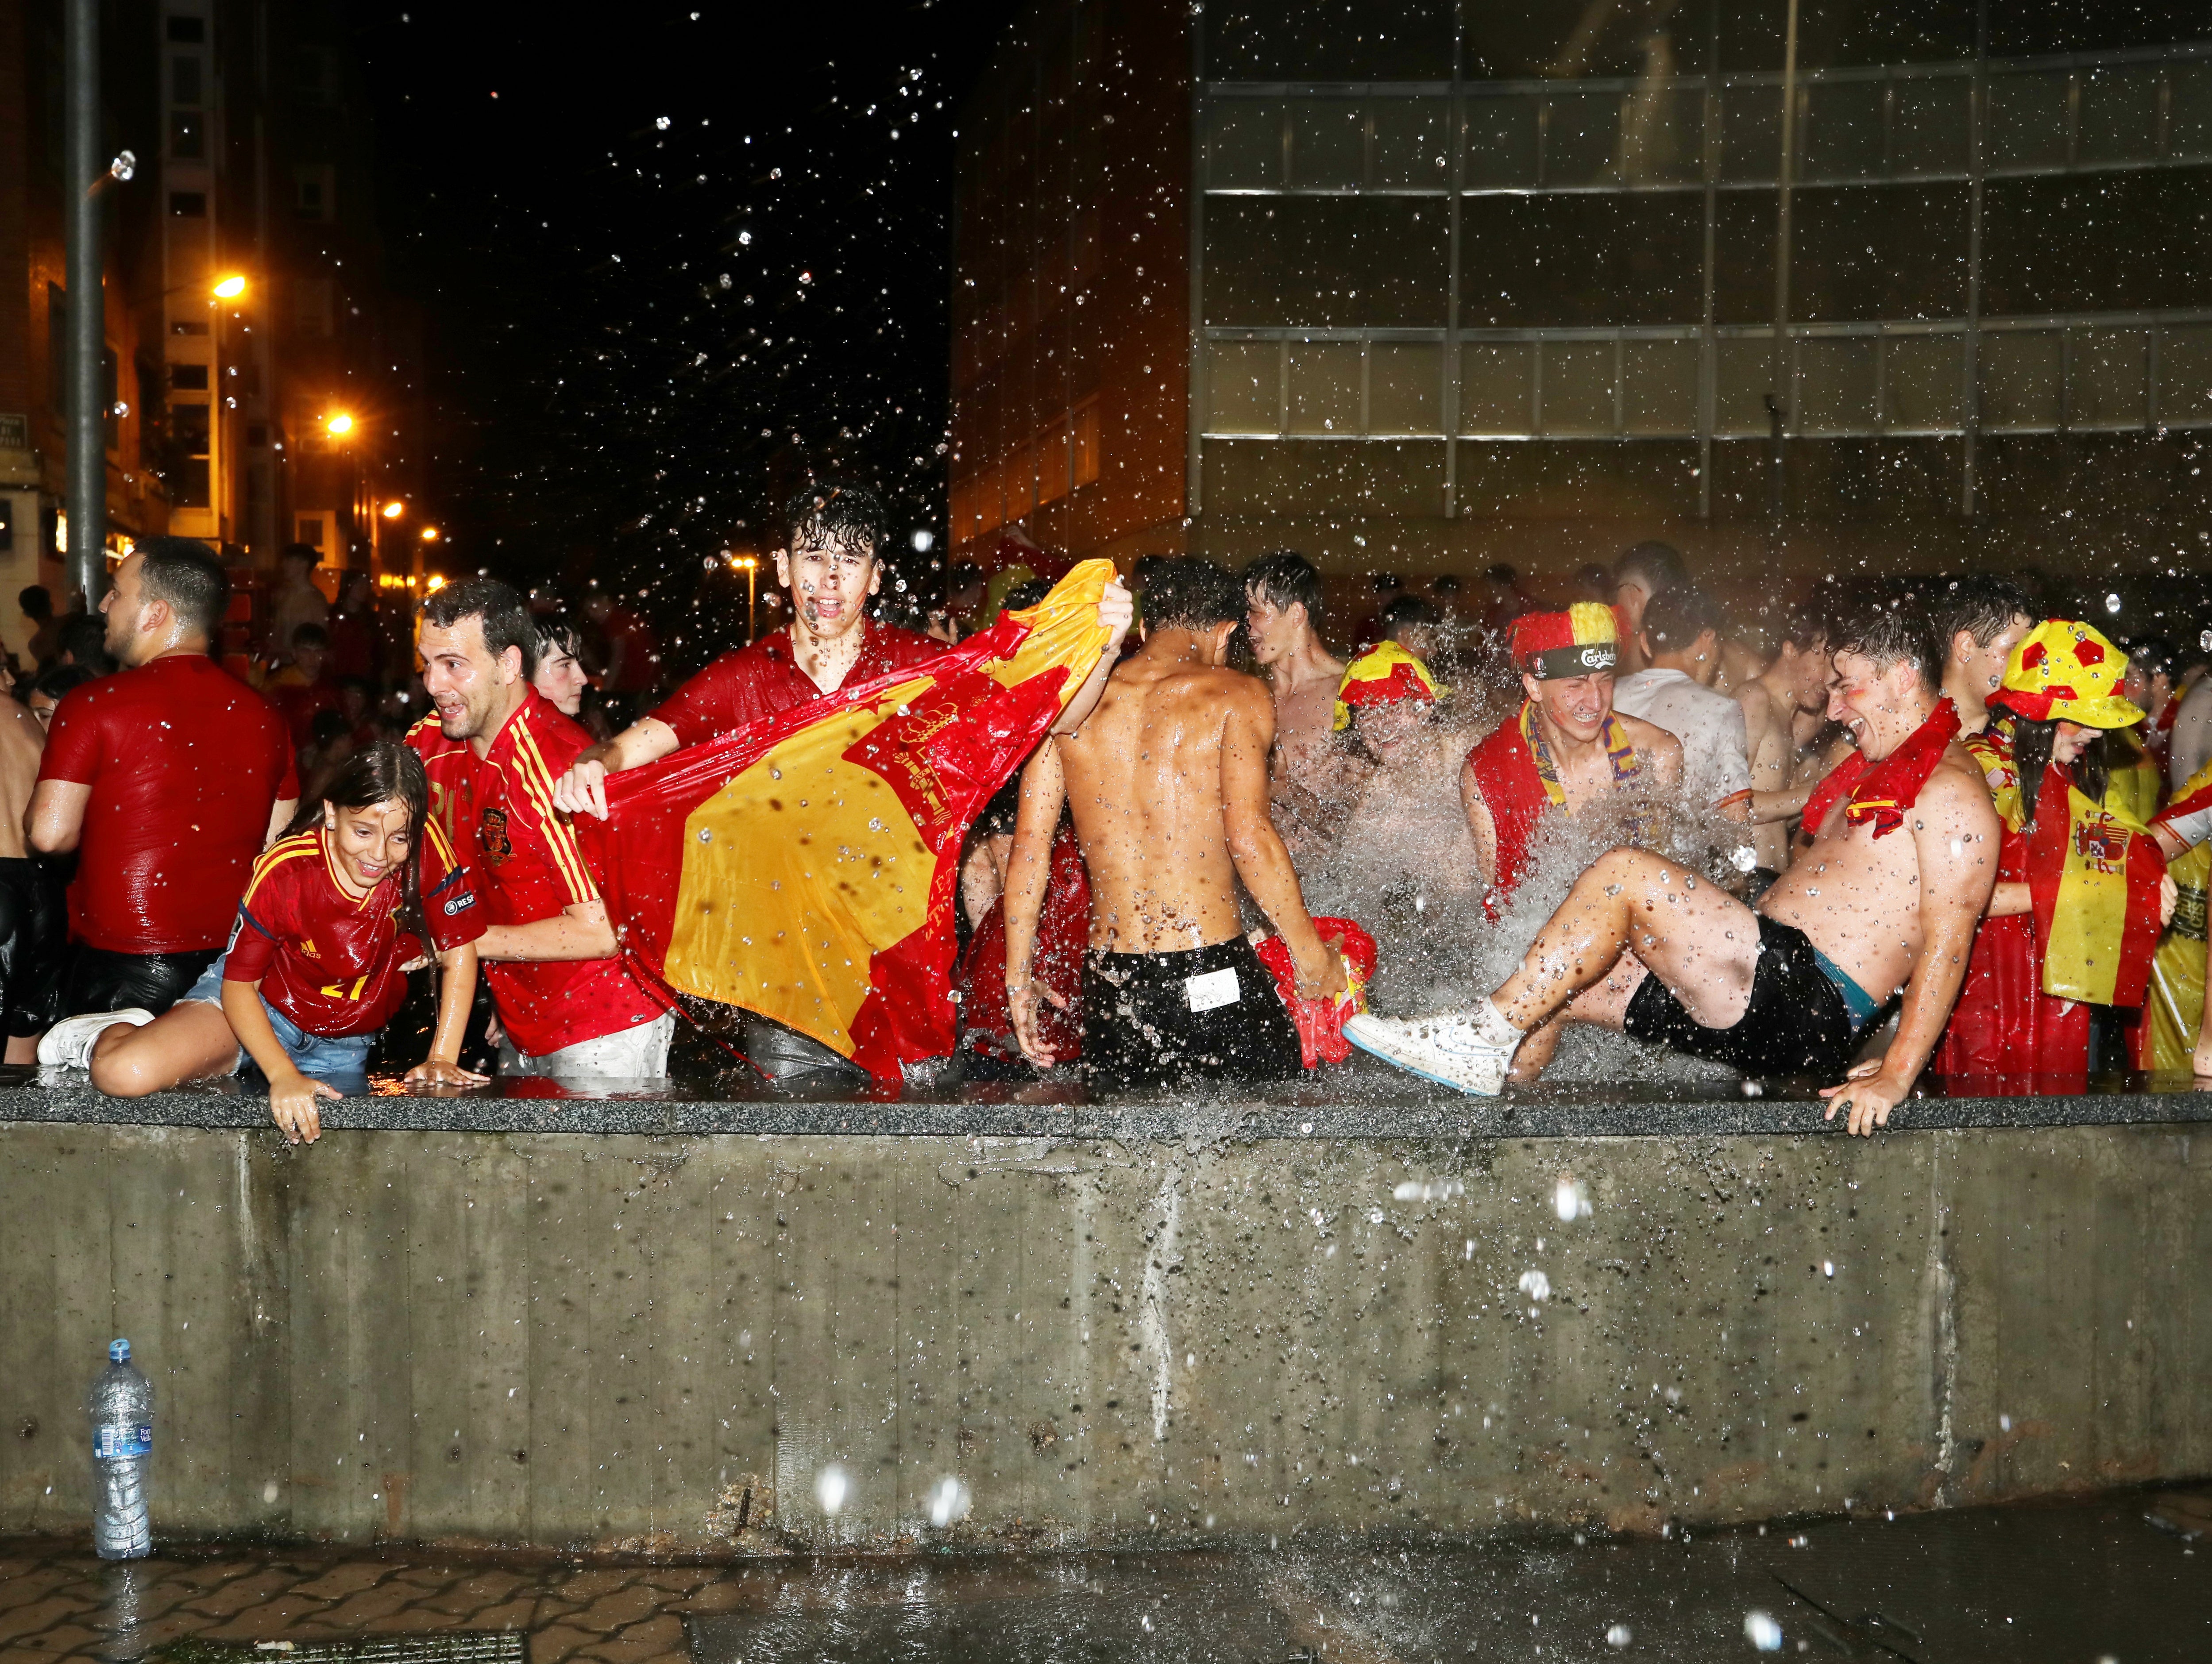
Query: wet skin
[
  {"x": 1312, "y": 777},
  {"x": 1899, "y": 910},
  {"x": 1167, "y": 781},
  {"x": 1977, "y": 669},
  {"x": 1796, "y": 685}
]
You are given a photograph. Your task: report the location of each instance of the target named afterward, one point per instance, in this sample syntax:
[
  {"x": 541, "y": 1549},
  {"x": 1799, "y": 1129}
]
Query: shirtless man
[
  {"x": 1981, "y": 620},
  {"x": 1641, "y": 946},
  {"x": 1777, "y": 704},
  {"x": 1168, "y": 784},
  {"x": 34, "y": 930},
  {"x": 1651, "y": 569},
  {"x": 1312, "y": 777}
]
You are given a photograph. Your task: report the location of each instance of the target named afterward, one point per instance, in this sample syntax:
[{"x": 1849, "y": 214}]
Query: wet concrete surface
[{"x": 2088, "y": 1580}]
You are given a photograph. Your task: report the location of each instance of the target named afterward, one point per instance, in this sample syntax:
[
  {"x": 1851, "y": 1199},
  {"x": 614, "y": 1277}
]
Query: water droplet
[
  {"x": 1536, "y": 1285},
  {"x": 832, "y": 1489},
  {"x": 1762, "y": 1631},
  {"x": 1619, "y": 1636}
]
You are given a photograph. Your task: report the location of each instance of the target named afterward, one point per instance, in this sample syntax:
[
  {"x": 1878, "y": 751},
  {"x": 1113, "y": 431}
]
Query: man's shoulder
[
  {"x": 1956, "y": 787},
  {"x": 1649, "y": 737},
  {"x": 427, "y": 738},
  {"x": 543, "y": 737}
]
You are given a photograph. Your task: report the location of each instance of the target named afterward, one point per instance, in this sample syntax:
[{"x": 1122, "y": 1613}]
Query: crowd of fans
[{"x": 211, "y": 861}]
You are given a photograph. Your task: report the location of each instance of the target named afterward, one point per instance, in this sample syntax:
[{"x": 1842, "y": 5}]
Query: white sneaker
[
  {"x": 1470, "y": 1050},
  {"x": 69, "y": 1042}
]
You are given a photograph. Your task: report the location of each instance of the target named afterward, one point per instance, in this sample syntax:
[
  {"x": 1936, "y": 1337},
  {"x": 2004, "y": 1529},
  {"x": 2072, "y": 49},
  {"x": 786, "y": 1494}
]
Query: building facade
[
  {"x": 257, "y": 384},
  {"x": 1464, "y": 286}
]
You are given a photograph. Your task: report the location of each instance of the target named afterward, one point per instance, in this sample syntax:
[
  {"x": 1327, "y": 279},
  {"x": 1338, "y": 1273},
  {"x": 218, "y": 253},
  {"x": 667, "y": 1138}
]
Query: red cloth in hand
[
  {"x": 1320, "y": 1023},
  {"x": 1883, "y": 791}
]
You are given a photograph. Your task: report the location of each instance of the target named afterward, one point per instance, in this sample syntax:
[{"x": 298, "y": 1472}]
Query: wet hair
[
  {"x": 1594, "y": 583},
  {"x": 2153, "y": 655},
  {"x": 60, "y": 680},
  {"x": 2031, "y": 755},
  {"x": 1657, "y": 567},
  {"x": 1894, "y": 631},
  {"x": 1409, "y": 609},
  {"x": 556, "y": 635},
  {"x": 835, "y": 511},
  {"x": 384, "y": 772},
  {"x": 310, "y": 635},
  {"x": 1184, "y": 591},
  {"x": 184, "y": 574},
  {"x": 505, "y": 614},
  {"x": 1979, "y": 604},
  {"x": 36, "y": 603},
  {"x": 1675, "y": 618},
  {"x": 1283, "y": 577},
  {"x": 1796, "y": 626}
]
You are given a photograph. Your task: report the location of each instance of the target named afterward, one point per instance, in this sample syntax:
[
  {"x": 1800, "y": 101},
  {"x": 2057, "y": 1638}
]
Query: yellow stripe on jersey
[
  {"x": 283, "y": 850},
  {"x": 560, "y": 837}
]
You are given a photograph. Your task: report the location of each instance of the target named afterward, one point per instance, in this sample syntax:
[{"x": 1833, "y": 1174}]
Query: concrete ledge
[
  {"x": 1363, "y": 1100},
  {"x": 557, "y": 1337}
]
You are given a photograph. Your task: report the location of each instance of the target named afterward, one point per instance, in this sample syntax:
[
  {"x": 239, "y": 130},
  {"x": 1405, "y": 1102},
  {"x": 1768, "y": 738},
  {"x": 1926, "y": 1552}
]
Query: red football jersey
[
  {"x": 330, "y": 960},
  {"x": 498, "y": 811},
  {"x": 759, "y": 681},
  {"x": 186, "y": 763}
]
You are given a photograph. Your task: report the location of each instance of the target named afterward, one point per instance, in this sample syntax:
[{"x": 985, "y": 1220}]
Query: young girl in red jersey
[{"x": 337, "y": 911}]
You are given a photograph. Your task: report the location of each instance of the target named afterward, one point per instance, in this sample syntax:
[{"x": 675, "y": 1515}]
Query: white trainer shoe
[
  {"x": 69, "y": 1042},
  {"x": 1469, "y": 1050}
]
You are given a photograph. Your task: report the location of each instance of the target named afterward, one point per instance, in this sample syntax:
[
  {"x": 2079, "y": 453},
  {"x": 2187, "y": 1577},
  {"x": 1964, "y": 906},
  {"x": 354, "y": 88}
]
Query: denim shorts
[{"x": 313, "y": 1055}]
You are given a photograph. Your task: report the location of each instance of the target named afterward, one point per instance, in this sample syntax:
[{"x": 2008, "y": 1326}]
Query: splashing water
[
  {"x": 832, "y": 1489},
  {"x": 1762, "y": 1631},
  {"x": 1428, "y": 1190},
  {"x": 1536, "y": 1285},
  {"x": 948, "y": 1500},
  {"x": 1619, "y": 1636},
  {"x": 1570, "y": 1199}
]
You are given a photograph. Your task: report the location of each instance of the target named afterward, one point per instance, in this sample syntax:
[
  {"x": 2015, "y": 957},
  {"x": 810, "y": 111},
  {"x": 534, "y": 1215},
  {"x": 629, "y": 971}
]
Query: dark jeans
[
  {"x": 100, "y": 980},
  {"x": 33, "y": 944}
]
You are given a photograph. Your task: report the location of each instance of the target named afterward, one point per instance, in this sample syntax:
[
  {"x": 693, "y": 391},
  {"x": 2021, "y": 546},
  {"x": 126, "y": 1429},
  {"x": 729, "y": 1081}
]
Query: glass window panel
[
  {"x": 1328, "y": 144},
  {"x": 1501, "y": 141},
  {"x": 1330, "y": 41},
  {"x": 1495, "y": 378},
  {"x": 1931, "y": 125},
  {"x": 184, "y": 135},
  {"x": 1245, "y": 145},
  {"x": 185, "y": 78},
  {"x": 1662, "y": 136},
  {"x": 1334, "y": 262},
  {"x": 1750, "y": 132},
  {"x": 1244, "y": 387},
  {"x": 1836, "y": 385},
  {"x": 2027, "y": 120},
  {"x": 2184, "y": 374},
  {"x": 1405, "y": 394},
  {"x": 1324, "y": 387},
  {"x": 1659, "y": 387},
  {"x": 2189, "y": 113},
  {"x": 2108, "y": 376},
  {"x": 1742, "y": 374},
  {"x": 2019, "y": 379},
  {"x": 1582, "y": 138},
  {"x": 1841, "y": 133},
  {"x": 1577, "y": 389},
  {"x": 2119, "y": 114},
  {"x": 1411, "y": 145},
  {"x": 1922, "y": 381}
]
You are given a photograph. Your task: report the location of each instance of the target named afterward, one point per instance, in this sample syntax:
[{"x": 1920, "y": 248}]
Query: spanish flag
[
  {"x": 804, "y": 867},
  {"x": 2092, "y": 874}
]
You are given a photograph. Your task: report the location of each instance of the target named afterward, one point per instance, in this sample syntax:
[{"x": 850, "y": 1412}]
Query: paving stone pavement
[{"x": 58, "y": 1601}]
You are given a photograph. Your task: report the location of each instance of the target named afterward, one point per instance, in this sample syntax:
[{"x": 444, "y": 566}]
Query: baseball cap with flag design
[
  {"x": 1384, "y": 676},
  {"x": 1580, "y": 641},
  {"x": 2064, "y": 670}
]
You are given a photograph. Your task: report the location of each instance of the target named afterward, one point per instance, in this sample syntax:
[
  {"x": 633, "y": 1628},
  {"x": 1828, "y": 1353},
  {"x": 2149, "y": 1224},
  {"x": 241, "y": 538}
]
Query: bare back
[
  {"x": 21, "y": 744},
  {"x": 1771, "y": 740},
  {"x": 1173, "y": 757}
]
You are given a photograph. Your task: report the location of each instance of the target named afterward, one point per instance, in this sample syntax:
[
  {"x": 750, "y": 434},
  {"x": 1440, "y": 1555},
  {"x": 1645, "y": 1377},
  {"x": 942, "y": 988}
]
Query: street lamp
[
  {"x": 394, "y": 509},
  {"x": 230, "y": 287},
  {"x": 429, "y": 534},
  {"x": 751, "y": 567},
  {"x": 339, "y": 426}
]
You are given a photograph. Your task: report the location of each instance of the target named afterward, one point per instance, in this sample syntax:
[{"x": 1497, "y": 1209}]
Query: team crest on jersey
[{"x": 491, "y": 836}]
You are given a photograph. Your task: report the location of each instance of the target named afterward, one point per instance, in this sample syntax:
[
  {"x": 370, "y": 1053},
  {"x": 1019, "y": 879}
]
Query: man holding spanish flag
[{"x": 2080, "y": 891}]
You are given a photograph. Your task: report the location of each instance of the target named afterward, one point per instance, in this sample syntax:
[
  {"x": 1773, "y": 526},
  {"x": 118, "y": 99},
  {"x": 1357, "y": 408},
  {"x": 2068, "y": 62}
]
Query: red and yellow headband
[{"x": 1580, "y": 641}]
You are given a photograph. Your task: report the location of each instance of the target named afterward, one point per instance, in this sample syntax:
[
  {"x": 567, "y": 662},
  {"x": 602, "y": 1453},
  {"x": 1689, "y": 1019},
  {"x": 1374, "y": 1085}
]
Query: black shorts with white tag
[{"x": 1168, "y": 1019}]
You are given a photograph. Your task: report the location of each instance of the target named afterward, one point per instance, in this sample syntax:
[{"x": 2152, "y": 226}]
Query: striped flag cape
[{"x": 804, "y": 867}]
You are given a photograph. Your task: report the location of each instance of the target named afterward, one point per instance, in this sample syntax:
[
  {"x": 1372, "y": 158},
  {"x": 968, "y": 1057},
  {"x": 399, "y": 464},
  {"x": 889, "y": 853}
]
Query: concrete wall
[{"x": 564, "y": 1338}]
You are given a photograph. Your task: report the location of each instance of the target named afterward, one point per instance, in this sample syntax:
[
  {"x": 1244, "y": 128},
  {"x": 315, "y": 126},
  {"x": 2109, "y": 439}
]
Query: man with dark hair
[
  {"x": 302, "y": 691},
  {"x": 1168, "y": 785},
  {"x": 493, "y": 747},
  {"x": 37, "y": 606},
  {"x": 1647, "y": 569},
  {"x": 1782, "y": 708},
  {"x": 84, "y": 644},
  {"x": 294, "y": 600},
  {"x": 1681, "y": 643},
  {"x": 831, "y": 564},
  {"x": 166, "y": 779},
  {"x": 1416, "y": 624},
  {"x": 1311, "y": 778},
  {"x": 1980, "y": 620},
  {"x": 1640, "y": 945}
]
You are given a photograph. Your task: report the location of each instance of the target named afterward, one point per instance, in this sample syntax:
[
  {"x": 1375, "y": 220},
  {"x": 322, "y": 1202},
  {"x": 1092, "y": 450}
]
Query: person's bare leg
[
  {"x": 191, "y": 1041},
  {"x": 1694, "y": 937},
  {"x": 21, "y": 1048}
]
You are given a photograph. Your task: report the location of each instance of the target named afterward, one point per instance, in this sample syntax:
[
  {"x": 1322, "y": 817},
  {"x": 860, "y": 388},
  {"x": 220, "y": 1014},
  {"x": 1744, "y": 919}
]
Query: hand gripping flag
[{"x": 804, "y": 867}]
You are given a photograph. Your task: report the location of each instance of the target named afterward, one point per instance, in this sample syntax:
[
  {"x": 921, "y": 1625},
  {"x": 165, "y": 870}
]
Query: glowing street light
[
  {"x": 394, "y": 509},
  {"x": 429, "y": 534},
  {"x": 749, "y": 566},
  {"x": 339, "y": 425},
  {"x": 230, "y": 287}
]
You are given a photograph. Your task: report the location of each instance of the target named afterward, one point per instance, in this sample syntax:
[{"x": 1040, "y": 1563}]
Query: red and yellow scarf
[
  {"x": 1627, "y": 766},
  {"x": 1884, "y": 793}
]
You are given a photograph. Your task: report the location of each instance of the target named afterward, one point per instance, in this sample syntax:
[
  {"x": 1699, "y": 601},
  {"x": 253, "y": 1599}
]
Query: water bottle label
[{"x": 114, "y": 1443}]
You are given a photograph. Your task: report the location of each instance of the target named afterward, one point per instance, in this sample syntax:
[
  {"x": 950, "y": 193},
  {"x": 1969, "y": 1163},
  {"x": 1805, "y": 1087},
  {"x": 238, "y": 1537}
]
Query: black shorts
[
  {"x": 1796, "y": 1022},
  {"x": 101, "y": 980},
  {"x": 33, "y": 944},
  {"x": 1139, "y": 1028}
]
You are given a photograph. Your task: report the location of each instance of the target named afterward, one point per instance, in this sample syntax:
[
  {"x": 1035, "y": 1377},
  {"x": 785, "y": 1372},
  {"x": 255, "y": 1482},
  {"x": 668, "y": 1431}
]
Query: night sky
[{"x": 673, "y": 262}]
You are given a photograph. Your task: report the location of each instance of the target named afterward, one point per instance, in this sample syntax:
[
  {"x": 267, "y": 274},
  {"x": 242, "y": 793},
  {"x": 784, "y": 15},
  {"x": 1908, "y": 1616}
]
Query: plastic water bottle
[{"x": 121, "y": 1404}]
